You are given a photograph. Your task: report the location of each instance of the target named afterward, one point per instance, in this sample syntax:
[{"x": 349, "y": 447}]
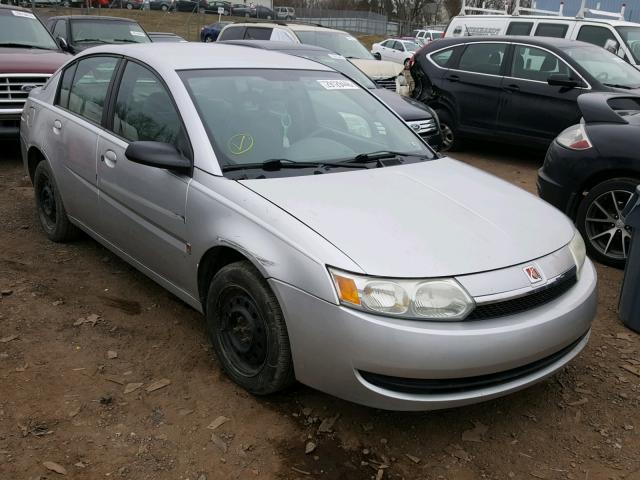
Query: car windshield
[
  {"x": 436, "y": 35},
  {"x": 411, "y": 46},
  {"x": 110, "y": 31},
  {"x": 293, "y": 116},
  {"x": 19, "y": 28},
  {"x": 337, "y": 62},
  {"x": 631, "y": 36},
  {"x": 339, "y": 42},
  {"x": 604, "y": 66}
]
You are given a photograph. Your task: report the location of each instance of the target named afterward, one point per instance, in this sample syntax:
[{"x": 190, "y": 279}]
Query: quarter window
[
  {"x": 519, "y": 28},
  {"x": 90, "y": 85},
  {"x": 254, "y": 33},
  {"x": 595, "y": 35},
  {"x": 535, "y": 64},
  {"x": 483, "y": 58},
  {"x": 558, "y": 30},
  {"x": 442, "y": 57},
  {"x": 65, "y": 86},
  {"x": 144, "y": 110}
]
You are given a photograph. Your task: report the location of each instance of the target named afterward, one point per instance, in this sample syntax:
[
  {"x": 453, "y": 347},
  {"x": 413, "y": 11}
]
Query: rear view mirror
[
  {"x": 377, "y": 56},
  {"x": 611, "y": 45},
  {"x": 62, "y": 43},
  {"x": 561, "y": 80},
  {"x": 158, "y": 154}
]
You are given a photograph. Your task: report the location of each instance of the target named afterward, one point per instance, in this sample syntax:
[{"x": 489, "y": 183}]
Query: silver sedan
[{"x": 321, "y": 238}]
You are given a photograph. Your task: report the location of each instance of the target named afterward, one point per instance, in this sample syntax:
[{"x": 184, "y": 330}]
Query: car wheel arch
[{"x": 34, "y": 157}]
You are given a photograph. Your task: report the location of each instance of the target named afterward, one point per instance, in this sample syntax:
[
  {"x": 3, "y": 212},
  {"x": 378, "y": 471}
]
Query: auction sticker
[
  {"x": 338, "y": 85},
  {"x": 23, "y": 14},
  {"x": 136, "y": 34}
]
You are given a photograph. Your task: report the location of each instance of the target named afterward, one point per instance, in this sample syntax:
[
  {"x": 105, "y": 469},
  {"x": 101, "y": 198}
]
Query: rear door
[
  {"x": 142, "y": 208},
  {"x": 474, "y": 84},
  {"x": 531, "y": 107}
]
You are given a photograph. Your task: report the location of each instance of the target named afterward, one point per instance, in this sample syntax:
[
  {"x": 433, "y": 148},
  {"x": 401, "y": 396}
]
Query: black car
[
  {"x": 260, "y": 11},
  {"x": 516, "y": 89},
  {"x": 591, "y": 170},
  {"x": 240, "y": 10},
  {"x": 75, "y": 33},
  {"x": 203, "y": 6},
  {"x": 419, "y": 117}
]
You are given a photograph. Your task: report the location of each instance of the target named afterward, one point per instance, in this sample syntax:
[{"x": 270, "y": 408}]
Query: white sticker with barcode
[
  {"x": 137, "y": 34},
  {"x": 338, "y": 85},
  {"x": 17, "y": 13}
]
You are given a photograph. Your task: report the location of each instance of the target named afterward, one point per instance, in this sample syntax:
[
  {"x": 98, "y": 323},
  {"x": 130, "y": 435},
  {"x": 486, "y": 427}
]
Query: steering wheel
[{"x": 602, "y": 76}]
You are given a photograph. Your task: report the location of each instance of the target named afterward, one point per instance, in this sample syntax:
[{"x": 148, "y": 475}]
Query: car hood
[
  {"x": 406, "y": 107},
  {"x": 428, "y": 219},
  {"x": 378, "y": 68},
  {"x": 31, "y": 60}
]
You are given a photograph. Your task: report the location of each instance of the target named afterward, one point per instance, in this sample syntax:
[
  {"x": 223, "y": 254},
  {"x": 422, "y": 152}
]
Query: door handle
[
  {"x": 453, "y": 78},
  {"x": 512, "y": 88},
  {"x": 57, "y": 126},
  {"x": 109, "y": 158}
]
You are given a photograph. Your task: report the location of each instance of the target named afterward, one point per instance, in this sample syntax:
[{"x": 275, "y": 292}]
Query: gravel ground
[{"x": 105, "y": 375}]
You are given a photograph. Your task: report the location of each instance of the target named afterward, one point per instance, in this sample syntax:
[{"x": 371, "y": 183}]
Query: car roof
[
  {"x": 277, "y": 46},
  {"x": 300, "y": 27},
  {"x": 167, "y": 57},
  {"x": 14, "y": 7},
  {"x": 548, "y": 42},
  {"x": 92, "y": 17},
  {"x": 547, "y": 18}
]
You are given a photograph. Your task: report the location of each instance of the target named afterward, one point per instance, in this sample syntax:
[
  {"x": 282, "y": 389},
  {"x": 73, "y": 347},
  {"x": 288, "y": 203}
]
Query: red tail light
[
  {"x": 574, "y": 138},
  {"x": 412, "y": 60}
]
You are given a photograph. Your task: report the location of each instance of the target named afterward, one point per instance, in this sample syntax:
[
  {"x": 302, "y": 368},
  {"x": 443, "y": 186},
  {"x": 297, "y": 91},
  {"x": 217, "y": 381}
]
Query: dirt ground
[{"x": 85, "y": 339}]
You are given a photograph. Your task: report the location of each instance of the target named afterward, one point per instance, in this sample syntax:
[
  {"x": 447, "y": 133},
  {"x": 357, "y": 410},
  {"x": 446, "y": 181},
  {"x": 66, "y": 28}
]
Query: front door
[
  {"x": 531, "y": 107},
  {"x": 142, "y": 207},
  {"x": 474, "y": 85}
]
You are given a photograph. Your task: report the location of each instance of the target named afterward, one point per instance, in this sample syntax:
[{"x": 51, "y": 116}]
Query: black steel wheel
[
  {"x": 51, "y": 213},
  {"x": 602, "y": 224},
  {"x": 248, "y": 330}
]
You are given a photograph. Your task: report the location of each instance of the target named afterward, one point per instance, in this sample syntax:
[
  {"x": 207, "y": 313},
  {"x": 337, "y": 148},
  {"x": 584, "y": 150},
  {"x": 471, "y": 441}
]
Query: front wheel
[
  {"x": 51, "y": 213},
  {"x": 208, "y": 39},
  {"x": 164, "y": 8},
  {"x": 601, "y": 223},
  {"x": 448, "y": 131},
  {"x": 129, "y": 6},
  {"x": 248, "y": 330}
]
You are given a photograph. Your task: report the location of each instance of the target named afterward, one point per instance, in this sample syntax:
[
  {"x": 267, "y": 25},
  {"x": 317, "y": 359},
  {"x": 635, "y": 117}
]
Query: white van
[
  {"x": 425, "y": 36},
  {"x": 613, "y": 33}
]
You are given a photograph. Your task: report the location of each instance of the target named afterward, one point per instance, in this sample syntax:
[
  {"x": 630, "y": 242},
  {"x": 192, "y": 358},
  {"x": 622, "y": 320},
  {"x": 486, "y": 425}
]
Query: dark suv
[
  {"x": 516, "y": 89},
  {"x": 28, "y": 57},
  {"x": 75, "y": 33}
]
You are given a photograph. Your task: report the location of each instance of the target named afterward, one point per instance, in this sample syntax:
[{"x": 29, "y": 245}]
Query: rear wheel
[
  {"x": 51, "y": 213},
  {"x": 129, "y": 6},
  {"x": 448, "y": 130},
  {"x": 601, "y": 223},
  {"x": 248, "y": 330},
  {"x": 208, "y": 39},
  {"x": 164, "y": 8}
]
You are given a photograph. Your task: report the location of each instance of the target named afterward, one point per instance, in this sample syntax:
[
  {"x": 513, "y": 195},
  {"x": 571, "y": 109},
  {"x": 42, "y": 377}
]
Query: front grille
[
  {"x": 388, "y": 83},
  {"x": 423, "y": 126},
  {"x": 464, "y": 384},
  {"x": 12, "y": 94},
  {"x": 524, "y": 303}
]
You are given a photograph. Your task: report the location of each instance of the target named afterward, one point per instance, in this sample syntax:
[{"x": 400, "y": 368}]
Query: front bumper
[
  {"x": 10, "y": 124},
  {"x": 332, "y": 345}
]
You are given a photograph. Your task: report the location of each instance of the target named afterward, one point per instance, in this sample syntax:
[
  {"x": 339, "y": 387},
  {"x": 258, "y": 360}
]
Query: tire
[
  {"x": 269, "y": 17},
  {"x": 246, "y": 15},
  {"x": 255, "y": 353},
  {"x": 288, "y": 18},
  {"x": 599, "y": 221},
  {"x": 129, "y": 6},
  {"x": 51, "y": 212},
  {"x": 406, "y": 63},
  {"x": 208, "y": 39},
  {"x": 164, "y": 8},
  {"x": 450, "y": 138}
]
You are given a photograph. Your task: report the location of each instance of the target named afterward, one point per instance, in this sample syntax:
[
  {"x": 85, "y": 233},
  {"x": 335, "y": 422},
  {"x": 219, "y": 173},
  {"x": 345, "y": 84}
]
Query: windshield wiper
[
  {"x": 89, "y": 40},
  {"x": 617, "y": 85},
  {"x": 275, "y": 164},
  {"x": 124, "y": 40},
  {"x": 23, "y": 45},
  {"x": 379, "y": 155}
]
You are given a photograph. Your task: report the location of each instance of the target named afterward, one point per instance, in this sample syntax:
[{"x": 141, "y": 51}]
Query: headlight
[
  {"x": 436, "y": 299},
  {"x": 578, "y": 250}
]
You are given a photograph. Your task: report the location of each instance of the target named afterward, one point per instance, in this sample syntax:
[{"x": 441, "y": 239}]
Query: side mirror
[
  {"x": 561, "y": 80},
  {"x": 611, "y": 45},
  {"x": 158, "y": 154},
  {"x": 377, "y": 56},
  {"x": 62, "y": 43}
]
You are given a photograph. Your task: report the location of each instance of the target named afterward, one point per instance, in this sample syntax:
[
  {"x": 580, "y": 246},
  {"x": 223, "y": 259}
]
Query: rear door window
[
  {"x": 595, "y": 35},
  {"x": 90, "y": 85},
  {"x": 483, "y": 58},
  {"x": 557, "y": 30},
  {"x": 232, "y": 33},
  {"x": 519, "y": 28},
  {"x": 257, "y": 33},
  {"x": 532, "y": 63},
  {"x": 65, "y": 86}
]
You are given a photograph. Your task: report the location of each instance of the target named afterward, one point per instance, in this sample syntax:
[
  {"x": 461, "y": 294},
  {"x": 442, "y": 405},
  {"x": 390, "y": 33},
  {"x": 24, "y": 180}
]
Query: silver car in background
[{"x": 322, "y": 239}]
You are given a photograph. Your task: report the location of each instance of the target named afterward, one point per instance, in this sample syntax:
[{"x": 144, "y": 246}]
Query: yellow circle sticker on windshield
[{"x": 240, "y": 143}]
